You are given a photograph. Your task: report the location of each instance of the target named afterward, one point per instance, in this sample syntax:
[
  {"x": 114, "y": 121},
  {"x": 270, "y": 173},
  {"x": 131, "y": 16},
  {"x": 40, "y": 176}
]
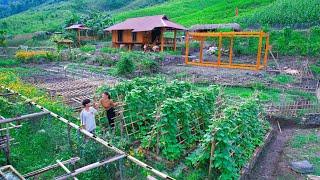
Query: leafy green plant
[
  {"x": 87, "y": 48},
  {"x": 148, "y": 66},
  {"x": 125, "y": 65}
]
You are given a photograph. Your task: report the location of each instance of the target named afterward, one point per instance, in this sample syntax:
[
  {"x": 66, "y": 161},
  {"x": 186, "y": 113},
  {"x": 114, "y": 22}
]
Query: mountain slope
[
  {"x": 11, "y": 7},
  {"x": 189, "y": 12},
  {"x": 51, "y": 16}
]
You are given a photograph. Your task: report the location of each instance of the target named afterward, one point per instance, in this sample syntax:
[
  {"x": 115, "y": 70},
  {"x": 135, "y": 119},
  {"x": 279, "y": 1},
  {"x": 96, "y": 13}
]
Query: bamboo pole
[
  {"x": 48, "y": 168},
  {"x": 23, "y": 117},
  {"x": 90, "y": 166},
  {"x": 65, "y": 169},
  {"x": 211, "y": 156},
  {"x": 97, "y": 139},
  {"x": 265, "y": 59},
  {"x": 259, "y": 51},
  {"x": 231, "y": 50}
]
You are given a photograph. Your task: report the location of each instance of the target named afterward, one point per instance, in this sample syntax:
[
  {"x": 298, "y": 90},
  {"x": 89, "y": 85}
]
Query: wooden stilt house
[
  {"x": 142, "y": 31},
  {"x": 83, "y": 33}
]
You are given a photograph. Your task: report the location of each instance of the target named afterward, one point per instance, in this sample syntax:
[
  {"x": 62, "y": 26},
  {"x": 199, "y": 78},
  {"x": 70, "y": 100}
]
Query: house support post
[
  {"x": 175, "y": 40},
  {"x": 162, "y": 39},
  {"x": 187, "y": 48}
]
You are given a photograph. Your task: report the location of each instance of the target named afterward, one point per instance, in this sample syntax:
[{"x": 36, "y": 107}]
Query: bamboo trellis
[{"x": 121, "y": 153}]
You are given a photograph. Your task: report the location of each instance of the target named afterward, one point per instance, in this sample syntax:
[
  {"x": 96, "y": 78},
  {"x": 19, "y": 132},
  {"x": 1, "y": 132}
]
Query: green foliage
[
  {"x": 148, "y": 66},
  {"x": 289, "y": 42},
  {"x": 125, "y": 65},
  {"x": 284, "y": 79},
  {"x": 236, "y": 132},
  {"x": 3, "y": 38},
  {"x": 88, "y": 48},
  {"x": 110, "y": 50},
  {"x": 8, "y": 62},
  {"x": 315, "y": 69}
]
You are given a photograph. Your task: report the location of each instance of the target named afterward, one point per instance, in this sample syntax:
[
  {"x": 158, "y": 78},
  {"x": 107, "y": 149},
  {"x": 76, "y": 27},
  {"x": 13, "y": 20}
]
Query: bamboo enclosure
[{"x": 202, "y": 36}]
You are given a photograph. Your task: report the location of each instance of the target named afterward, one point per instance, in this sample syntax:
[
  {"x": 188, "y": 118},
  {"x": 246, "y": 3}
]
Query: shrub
[
  {"x": 87, "y": 48},
  {"x": 35, "y": 56},
  {"x": 126, "y": 65},
  {"x": 148, "y": 66}
]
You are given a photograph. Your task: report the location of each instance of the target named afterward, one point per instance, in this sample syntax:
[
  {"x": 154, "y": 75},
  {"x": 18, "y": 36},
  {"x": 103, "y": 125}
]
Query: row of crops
[
  {"x": 180, "y": 122},
  {"x": 297, "y": 13}
]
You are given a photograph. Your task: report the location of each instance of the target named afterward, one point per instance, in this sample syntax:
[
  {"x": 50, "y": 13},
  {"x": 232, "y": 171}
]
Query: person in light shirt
[{"x": 87, "y": 116}]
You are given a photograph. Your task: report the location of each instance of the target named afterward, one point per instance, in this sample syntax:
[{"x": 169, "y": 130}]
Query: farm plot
[
  {"x": 54, "y": 137},
  {"x": 71, "y": 87},
  {"x": 176, "y": 122}
]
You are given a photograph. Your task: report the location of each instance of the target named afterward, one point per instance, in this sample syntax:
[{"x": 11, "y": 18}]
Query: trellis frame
[
  {"x": 201, "y": 36},
  {"x": 99, "y": 140}
]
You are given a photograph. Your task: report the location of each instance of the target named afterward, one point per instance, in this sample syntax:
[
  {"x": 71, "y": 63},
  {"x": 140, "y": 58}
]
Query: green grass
[
  {"x": 305, "y": 146},
  {"x": 269, "y": 94},
  {"x": 283, "y": 79},
  {"x": 301, "y": 140}
]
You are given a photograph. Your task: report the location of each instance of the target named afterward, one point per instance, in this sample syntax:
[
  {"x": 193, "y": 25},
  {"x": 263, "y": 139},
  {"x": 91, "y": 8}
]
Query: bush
[
  {"x": 148, "y": 66},
  {"x": 87, "y": 48},
  {"x": 126, "y": 65},
  {"x": 35, "y": 56}
]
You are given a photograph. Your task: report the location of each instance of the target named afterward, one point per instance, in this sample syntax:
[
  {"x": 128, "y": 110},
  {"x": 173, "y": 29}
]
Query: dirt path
[{"x": 268, "y": 165}]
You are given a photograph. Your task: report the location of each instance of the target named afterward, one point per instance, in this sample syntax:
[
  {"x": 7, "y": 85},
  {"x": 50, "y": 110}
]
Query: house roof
[
  {"x": 78, "y": 26},
  {"x": 213, "y": 27},
  {"x": 146, "y": 23}
]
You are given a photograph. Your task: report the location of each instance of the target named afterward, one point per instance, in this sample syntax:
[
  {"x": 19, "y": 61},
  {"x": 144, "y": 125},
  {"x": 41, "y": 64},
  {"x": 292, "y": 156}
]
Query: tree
[{"x": 3, "y": 41}]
